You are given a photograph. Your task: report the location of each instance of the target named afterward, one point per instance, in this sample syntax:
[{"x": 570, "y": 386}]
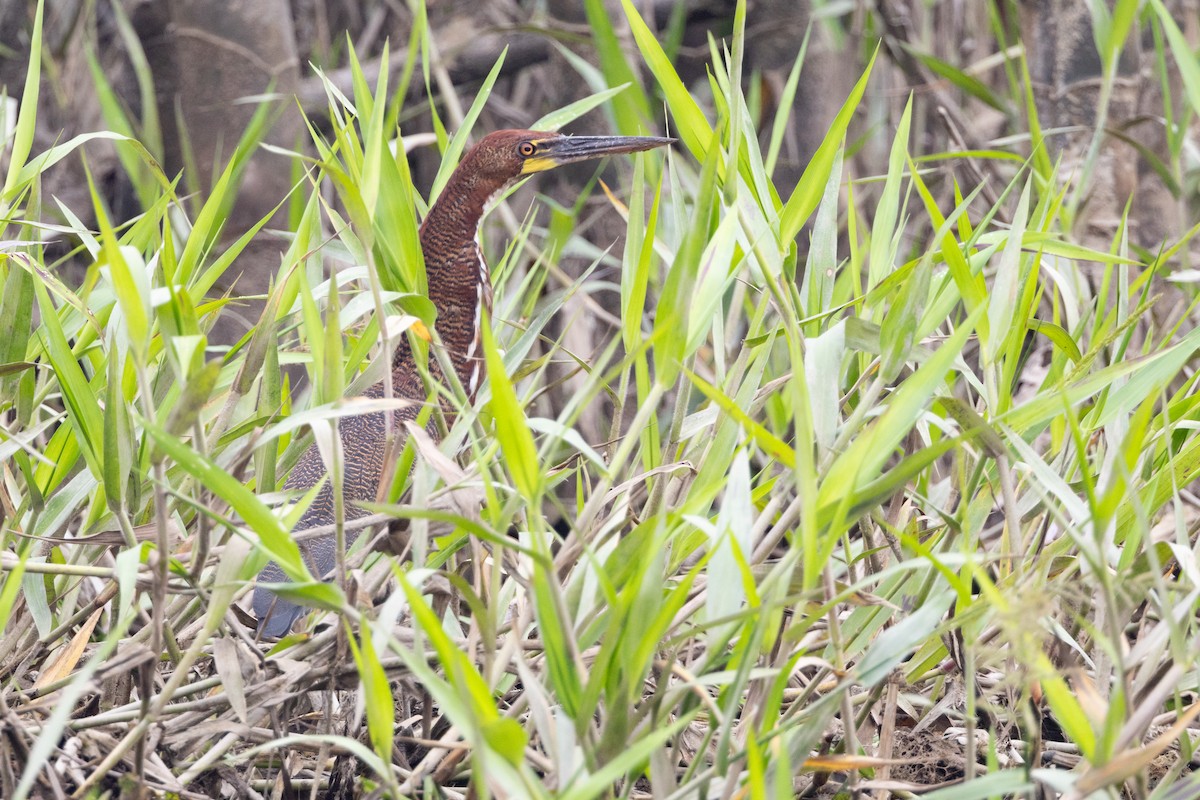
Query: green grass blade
[
  {"x": 811, "y": 185},
  {"x": 690, "y": 124},
  {"x": 631, "y": 109},
  {"x": 272, "y": 536},
  {"x": 459, "y": 142},
  {"x": 512, "y": 430},
  {"x": 22, "y": 141}
]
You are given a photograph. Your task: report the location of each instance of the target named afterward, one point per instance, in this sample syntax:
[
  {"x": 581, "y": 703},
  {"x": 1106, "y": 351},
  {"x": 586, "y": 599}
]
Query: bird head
[{"x": 503, "y": 157}]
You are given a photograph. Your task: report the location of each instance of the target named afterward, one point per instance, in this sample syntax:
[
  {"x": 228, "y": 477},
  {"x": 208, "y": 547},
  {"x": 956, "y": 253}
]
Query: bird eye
[{"x": 526, "y": 149}]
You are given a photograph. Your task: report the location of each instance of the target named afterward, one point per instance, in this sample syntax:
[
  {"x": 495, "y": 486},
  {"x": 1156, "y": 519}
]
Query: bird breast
[{"x": 483, "y": 299}]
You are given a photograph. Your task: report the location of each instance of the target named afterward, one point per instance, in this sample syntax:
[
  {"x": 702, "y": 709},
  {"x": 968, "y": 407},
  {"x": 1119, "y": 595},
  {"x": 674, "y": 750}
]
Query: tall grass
[{"x": 931, "y": 477}]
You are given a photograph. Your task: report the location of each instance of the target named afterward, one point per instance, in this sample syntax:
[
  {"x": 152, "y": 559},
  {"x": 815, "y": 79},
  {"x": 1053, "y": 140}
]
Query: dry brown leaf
[
  {"x": 835, "y": 762},
  {"x": 1131, "y": 762},
  {"x": 621, "y": 208},
  {"x": 466, "y": 500},
  {"x": 229, "y": 668},
  {"x": 141, "y": 533},
  {"x": 1090, "y": 700},
  {"x": 66, "y": 659}
]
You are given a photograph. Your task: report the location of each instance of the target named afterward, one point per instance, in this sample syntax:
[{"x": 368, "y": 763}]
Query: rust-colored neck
[{"x": 456, "y": 274}]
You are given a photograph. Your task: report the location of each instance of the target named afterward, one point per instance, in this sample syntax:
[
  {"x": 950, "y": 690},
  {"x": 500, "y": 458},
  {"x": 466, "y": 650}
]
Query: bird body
[{"x": 460, "y": 290}]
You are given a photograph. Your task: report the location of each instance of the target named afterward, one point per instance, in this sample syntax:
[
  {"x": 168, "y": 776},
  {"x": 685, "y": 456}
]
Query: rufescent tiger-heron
[{"x": 459, "y": 288}]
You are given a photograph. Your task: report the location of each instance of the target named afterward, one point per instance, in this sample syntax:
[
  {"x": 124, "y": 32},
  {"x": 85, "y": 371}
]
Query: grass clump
[{"x": 906, "y": 505}]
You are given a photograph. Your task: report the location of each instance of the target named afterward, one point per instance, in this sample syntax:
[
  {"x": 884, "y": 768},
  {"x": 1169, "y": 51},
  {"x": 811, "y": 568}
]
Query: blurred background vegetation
[{"x": 186, "y": 78}]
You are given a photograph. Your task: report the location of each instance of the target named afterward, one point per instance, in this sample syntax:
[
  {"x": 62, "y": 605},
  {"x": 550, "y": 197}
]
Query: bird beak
[{"x": 570, "y": 149}]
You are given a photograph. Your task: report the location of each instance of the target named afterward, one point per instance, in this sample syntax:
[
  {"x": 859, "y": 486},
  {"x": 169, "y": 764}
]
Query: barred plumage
[{"x": 459, "y": 287}]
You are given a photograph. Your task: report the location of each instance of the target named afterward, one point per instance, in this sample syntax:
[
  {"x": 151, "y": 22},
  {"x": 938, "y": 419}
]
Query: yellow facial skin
[{"x": 538, "y": 163}]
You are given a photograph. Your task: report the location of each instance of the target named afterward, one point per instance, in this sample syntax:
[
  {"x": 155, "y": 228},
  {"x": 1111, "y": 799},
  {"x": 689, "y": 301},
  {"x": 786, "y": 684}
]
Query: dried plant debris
[{"x": 848, "y": 447}]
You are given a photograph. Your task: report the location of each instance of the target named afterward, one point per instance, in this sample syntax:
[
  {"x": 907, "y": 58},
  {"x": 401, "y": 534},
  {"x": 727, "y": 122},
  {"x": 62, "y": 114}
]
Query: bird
[{"x": 461, "y": 292}]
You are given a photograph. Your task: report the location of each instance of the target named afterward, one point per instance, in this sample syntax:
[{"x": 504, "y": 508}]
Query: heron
[{"x": 461, "y": 292}]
